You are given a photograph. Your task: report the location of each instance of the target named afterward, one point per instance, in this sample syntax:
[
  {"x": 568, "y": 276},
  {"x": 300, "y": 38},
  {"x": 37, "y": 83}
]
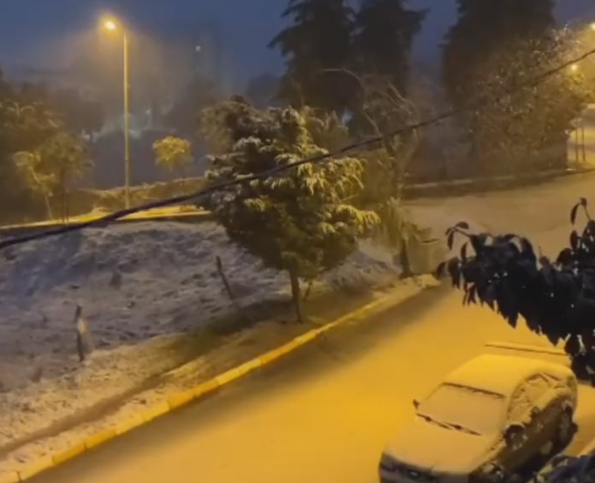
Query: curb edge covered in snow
[{"x": 209, "y": 387}]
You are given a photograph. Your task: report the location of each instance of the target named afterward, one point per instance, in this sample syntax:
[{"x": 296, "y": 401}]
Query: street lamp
[{"x": 111, "y": 25}]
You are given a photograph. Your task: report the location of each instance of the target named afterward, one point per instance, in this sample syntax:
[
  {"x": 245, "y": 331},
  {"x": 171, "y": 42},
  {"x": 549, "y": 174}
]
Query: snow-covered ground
[
  {"x": 258, "y": 340},
  {"x": 140, "y": 287}
]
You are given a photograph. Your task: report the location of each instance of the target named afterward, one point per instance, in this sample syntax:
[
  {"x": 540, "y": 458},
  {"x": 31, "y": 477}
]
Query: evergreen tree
[
  {"x": 299, "y": 220},
  {"x": 384, "y": 34},
  {"x": 483, "y": 27},
  {"x": 497, "y": 45},
  {"x": 317, "y": 41}
]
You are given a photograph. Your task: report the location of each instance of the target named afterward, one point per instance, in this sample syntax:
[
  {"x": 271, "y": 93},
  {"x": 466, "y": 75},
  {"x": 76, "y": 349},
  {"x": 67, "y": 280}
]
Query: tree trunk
[
  {"x": 44, "y": 192},
  {"x": 183, "y": 183},
  {"x": 48, "y": 205},
  {"x": 63, "y": 214},
  {"x": 67, "y": 205},
  {"x": 297, "y": 296}
]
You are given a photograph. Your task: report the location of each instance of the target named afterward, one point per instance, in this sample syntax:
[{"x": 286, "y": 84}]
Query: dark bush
[
  {"x": 568, "y": 469},
  {"x": 555, "y": 298}
]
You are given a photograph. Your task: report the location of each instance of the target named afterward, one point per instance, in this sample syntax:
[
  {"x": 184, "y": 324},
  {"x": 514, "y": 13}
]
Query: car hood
[{"x": 426, "y": 445}]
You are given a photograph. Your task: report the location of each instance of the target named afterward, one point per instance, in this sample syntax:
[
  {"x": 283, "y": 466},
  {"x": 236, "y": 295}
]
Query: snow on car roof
[{"x": 499, "y": 374}]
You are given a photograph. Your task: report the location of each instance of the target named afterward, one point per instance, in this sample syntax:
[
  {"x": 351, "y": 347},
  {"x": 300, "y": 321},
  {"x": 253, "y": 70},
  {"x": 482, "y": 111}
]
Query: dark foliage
[
  {"x": 318, "y": 38},
  {"x": 569, "y": 469},
  {"x": 555, "y": 298},
  {"x": 384, "y": 31},
  {"x": 493, "y": 47}
]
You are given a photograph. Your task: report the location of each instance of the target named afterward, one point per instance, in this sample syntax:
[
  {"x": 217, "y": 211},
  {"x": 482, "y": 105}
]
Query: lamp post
[{"x": 113, "y": 26}]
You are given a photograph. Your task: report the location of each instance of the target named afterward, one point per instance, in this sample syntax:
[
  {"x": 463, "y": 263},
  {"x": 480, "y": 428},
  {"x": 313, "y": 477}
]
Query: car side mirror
[{"x": 415, "y": 403}]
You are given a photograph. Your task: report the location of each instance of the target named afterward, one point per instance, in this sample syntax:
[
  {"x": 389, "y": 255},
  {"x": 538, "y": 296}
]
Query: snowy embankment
[{"x": 140, "y": 287}]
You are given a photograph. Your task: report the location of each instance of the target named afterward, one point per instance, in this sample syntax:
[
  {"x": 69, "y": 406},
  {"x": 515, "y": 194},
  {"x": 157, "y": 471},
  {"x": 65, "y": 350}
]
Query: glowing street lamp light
[
  {"x": 112, "y": 26},
  {"x": 574, "y": 67}
]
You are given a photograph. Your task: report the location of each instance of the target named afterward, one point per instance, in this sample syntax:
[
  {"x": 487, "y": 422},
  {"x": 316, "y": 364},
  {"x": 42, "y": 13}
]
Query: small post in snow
[{"x": 82, "y": 334}]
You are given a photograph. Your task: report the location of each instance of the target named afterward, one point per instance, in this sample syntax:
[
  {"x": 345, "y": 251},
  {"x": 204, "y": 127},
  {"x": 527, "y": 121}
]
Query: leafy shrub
[
  {"x": 173, "y": 153},
  {"x": 555, "y": 298}
]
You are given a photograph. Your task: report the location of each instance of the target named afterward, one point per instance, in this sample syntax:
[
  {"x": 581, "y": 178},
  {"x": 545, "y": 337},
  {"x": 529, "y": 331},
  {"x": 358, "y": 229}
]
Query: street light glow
[
  {"x": 110, "y": 25},
  {"x": 574, "y": 67},
  {"x": 592, "y": 26}
]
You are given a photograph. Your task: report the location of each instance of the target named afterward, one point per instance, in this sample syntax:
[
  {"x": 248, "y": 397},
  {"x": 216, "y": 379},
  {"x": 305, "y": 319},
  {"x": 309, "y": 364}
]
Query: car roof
[{"x": 500, "y": 374}]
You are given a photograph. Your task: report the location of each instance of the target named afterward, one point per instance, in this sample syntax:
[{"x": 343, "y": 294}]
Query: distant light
[
  {"x": 592, "y": 26},
  {"x": 574, "y": 67},
  {"x": 198, "y": 48},
  {"x": 110, "y": 25}
]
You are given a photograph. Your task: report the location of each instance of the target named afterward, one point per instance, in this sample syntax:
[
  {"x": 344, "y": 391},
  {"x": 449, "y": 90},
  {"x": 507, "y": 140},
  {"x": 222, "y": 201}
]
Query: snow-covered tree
[
  {"x": 53, "y": 166},
  {"x": 298, "y": 220},
  {"x": 326, "y": 129},
  {"x": 495, "y": 52},
  {"x": 173, "y": 153}
]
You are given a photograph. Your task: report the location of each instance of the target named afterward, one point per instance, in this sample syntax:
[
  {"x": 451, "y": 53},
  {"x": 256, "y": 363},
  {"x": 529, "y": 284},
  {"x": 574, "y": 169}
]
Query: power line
[{"x": 481, "y": 101}]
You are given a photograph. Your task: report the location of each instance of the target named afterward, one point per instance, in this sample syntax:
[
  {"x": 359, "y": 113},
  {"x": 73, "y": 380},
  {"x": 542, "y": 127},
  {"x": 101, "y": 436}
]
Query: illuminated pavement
[
  {"x": 321, "y": 416},
  {"x": 324, "y": 414}
]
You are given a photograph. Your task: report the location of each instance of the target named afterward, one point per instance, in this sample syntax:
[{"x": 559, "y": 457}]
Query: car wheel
[{"x": 565, "y": 429}]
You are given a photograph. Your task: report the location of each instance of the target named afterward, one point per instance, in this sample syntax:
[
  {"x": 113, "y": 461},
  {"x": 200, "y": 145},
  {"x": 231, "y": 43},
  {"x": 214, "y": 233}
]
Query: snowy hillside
[{"x": 139, "y": 285}]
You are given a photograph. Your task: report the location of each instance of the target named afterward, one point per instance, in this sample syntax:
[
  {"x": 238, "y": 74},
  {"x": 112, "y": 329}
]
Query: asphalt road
[{"x": 320, "y": 416}]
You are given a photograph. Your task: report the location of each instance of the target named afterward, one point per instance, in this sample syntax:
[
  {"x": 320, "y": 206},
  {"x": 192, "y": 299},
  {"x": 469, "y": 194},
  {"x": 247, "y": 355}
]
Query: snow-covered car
[{"x": 487, "y": 420}]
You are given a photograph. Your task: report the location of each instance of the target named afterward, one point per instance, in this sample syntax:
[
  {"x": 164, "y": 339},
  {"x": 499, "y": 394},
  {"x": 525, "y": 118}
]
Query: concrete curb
[{"x": 208, "y": 387}]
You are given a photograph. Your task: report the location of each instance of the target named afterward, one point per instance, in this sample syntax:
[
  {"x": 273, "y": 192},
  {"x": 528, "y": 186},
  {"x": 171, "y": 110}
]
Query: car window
[
  {"x": 526, "y": 397},
  {"x": 477, "y": 411}
]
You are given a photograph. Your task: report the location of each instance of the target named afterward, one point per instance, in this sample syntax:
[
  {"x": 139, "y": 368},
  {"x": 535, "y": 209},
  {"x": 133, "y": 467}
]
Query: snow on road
[
  {"x": 541, "y": 212},
  {"x": 140, "y": 286}
]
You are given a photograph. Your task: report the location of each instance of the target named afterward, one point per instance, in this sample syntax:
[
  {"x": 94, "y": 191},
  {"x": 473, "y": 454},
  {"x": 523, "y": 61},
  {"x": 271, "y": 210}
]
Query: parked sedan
[{"x": 489, "y": 418}]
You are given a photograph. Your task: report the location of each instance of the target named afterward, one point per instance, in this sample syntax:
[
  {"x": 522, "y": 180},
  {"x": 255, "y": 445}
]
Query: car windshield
[{"x": 464, "y": 408}]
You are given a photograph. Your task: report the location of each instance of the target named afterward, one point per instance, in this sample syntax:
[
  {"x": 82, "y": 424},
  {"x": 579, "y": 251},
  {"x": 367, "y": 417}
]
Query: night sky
[{"x": 31, "y": 30}]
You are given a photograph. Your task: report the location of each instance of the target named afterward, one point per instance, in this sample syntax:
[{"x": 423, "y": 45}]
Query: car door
[
  {"x": 544, "y": 414},
  {"x": 518, "y": 431}
]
